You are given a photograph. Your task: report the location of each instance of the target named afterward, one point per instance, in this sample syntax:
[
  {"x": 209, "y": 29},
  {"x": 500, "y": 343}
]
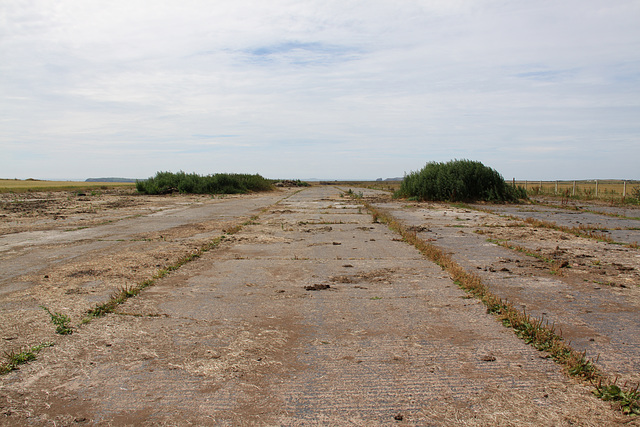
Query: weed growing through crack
[
  {"x": 628, "y": 401},
  {"x": 13, "y": 359},
  {"x": 61, "y": 321}
]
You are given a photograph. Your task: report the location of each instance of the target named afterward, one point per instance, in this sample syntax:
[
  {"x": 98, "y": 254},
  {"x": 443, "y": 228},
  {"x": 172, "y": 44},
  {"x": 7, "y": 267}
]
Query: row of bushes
[
  {"x": 220, "y": 183},
  {"x": 458, "y": 181}
]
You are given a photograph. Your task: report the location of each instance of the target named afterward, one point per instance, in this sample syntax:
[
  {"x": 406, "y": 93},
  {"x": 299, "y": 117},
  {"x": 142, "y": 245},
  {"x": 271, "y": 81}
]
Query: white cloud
[{"x": 358, "y": 89}]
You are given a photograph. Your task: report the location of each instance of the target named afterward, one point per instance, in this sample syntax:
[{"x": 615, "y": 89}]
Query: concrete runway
[{"x": 310, "y": 315}]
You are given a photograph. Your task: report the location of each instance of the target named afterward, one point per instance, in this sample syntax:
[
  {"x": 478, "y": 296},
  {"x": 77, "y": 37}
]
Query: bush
[
  {"x": 458, "y": 181},
  {"x": 220, "y": 183}
]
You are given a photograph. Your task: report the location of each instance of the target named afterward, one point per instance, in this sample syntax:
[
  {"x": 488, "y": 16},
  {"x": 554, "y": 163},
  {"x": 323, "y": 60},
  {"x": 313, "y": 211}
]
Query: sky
[{"x": 326, "y": 89}]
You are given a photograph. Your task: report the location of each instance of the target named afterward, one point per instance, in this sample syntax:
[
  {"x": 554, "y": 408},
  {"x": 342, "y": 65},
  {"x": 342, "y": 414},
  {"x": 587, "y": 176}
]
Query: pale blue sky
[{"x": 319, "y": 89}]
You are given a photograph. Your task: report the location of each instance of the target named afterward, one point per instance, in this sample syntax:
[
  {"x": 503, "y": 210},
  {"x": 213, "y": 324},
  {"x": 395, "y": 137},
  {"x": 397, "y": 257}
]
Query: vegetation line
[
  {"x": 534, "y": 331},
  {"x": 31, "y": 186},
  {"x": 577, "y": 231},
  {"x": 220, "y": 183}
]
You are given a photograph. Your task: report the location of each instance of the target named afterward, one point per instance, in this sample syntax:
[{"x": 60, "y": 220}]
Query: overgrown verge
[
  {"x": 458, "y": 180},
  {"x": 611, "y": 196},
  {"x": 220, "y": 183},
  {"x": 534, "y": 331}
]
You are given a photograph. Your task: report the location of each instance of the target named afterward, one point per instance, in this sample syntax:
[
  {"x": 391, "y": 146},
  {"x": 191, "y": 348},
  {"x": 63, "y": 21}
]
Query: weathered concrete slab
[
  {"x": 72, "y": 270},
  {"x": 596, "y": 318},
  {"x": 250, "y": 334}
]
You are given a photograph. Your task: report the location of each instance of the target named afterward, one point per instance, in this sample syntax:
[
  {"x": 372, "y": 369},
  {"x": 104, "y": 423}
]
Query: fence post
[
  {"x": 574, "y": 189},
  {"x": 556, "y": 186},
  {"x": 540, "y": 189},
  {"x": 624, "y": 189},
  {"x": 596, "y": 188}
]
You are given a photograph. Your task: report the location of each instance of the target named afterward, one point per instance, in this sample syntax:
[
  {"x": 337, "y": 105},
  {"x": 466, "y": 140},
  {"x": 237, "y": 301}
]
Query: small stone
[{"x": 399, "y": 417}]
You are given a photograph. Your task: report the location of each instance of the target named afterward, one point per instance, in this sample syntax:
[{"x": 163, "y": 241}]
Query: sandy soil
[{"x": 311, "y": 314}]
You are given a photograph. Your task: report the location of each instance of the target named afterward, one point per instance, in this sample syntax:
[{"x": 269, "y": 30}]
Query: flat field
[
  {"x": 605, "y": 189},
  {"x": 298, "y": 307},
  {"x": 32, "y": 185}
]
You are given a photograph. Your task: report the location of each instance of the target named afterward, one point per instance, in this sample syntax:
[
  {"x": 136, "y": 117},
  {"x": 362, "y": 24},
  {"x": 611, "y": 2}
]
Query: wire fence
[{"x": 583, "y": 188}]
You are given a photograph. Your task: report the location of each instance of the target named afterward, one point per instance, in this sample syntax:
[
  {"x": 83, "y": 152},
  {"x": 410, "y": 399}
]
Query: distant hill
[
  {"x": 110, "y": 180},
  {"x": 390, "y": 179}
]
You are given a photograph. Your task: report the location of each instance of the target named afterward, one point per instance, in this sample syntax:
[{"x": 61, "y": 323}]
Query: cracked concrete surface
[{"x": 310, "y": 315}]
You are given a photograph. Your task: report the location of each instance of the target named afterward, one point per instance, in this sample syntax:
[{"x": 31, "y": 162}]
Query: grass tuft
[
  {"x": 13, "y": 359},
  {"x": 627, "y": 401}
]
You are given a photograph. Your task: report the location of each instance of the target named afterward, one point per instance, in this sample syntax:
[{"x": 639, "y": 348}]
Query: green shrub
[
  {"x": 458, "y": 181},
  {"x": 220, "y": 183}
]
